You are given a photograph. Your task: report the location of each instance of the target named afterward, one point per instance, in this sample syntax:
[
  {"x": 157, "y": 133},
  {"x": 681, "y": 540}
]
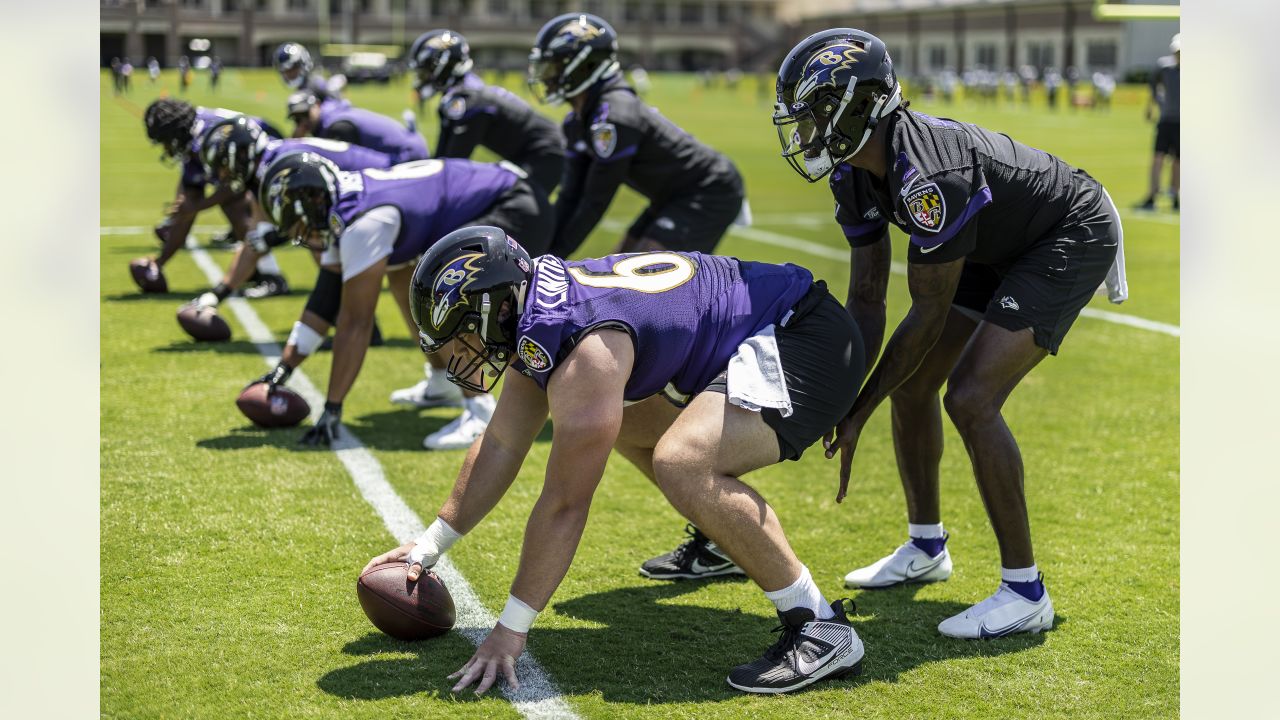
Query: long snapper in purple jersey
[
  {"x": 375, "y": 131},
  {"x": 348, "y": 157},
  {"x": 687, "y": 313}
]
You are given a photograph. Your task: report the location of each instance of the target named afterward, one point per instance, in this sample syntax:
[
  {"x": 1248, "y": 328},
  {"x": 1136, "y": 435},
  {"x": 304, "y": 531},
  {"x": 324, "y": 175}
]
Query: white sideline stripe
[
  {"x": 826, "y": 219},
  {"x": 538, "y": 697},
  {"x": 793, "y": 243}
]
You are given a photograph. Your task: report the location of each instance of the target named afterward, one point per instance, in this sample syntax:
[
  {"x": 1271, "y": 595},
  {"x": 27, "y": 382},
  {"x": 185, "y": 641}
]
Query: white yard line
[{"x": 538, "y": 697}]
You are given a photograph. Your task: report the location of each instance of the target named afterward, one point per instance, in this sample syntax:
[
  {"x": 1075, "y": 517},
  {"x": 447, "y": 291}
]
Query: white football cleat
[
  {"x": 470, "y": 425},
  {"x": 1004, "y": 613},
  {"x": 907, "y": 564},
  {"x": 435, "y": 391}
]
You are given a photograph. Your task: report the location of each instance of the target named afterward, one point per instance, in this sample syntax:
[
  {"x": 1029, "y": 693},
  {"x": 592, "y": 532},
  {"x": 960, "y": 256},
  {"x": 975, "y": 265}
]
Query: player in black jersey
[
  {"x": 1007, "y": 245},
  {"x": 613, "y": 138},
  {"x": 472, "y": 113}
]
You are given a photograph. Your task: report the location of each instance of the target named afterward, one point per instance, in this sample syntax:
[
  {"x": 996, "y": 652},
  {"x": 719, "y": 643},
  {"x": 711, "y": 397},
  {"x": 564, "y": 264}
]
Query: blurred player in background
[
  {"x": 696, "y": 368},
  {"x": 1007, "y": 245},
  {"x": 1166, "y": 98},
  {"x": 153, "y": 69},
  {"x": 336, "y": 119},
  {"x": 475, "y": 114},
  {"x": 184, "y": 73},
  {"x": 375, "y": 224},
  {"x": 177, "y": 126},
  {"x": 612, "y": 138},
  {"x": 215, "y": 72},
  {"x": 296, "y": 69}
]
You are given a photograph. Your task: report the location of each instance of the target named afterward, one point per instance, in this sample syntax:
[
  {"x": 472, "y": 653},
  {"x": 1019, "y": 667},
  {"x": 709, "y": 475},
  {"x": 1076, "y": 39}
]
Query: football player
[
  {"x": 177, "y": 126},
  {"x": 340, "y": 120},
  {"x": 1007, "y": 244},
  {"x": 374, "y": 224},
  {"x": 296, "y": 69},
  {"x": 474, "y": 114},
  {"x": 236, "y": 154},
  {"x": 762, "y": 359},
  {"x": 1166, "y": 95},
  {"x": 613, "y": 138}
]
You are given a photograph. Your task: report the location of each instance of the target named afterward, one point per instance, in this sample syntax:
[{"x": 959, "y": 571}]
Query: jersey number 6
[{"x": 654, "y": 272}]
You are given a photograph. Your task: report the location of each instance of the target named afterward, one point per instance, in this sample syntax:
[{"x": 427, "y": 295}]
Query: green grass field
[{"x": 229, "y": 555}]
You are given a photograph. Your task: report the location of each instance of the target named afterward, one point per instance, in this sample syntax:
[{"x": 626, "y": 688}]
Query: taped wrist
[
  {"x": 517, "y": 615},
  {"x": 280, "y": 375},
  {"x": 304, "y": 339},
  {"x": 221, "y": 291},
  {"x": 258, "y": 237},
  {"x": 432, "y": 543},
  {"x": 326, "y": 296},
  {"x": 333, "y": 409}
]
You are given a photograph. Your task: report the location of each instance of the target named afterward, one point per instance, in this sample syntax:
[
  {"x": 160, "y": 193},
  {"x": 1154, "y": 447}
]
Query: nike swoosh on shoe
[
  {"x": 697, "y": 566},
  {"x": 918, "y": 571},
  {"x": 1011, "y": 627}
]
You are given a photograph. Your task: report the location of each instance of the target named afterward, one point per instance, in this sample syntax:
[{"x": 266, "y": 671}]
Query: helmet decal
[{"x": 449, "y": 284}]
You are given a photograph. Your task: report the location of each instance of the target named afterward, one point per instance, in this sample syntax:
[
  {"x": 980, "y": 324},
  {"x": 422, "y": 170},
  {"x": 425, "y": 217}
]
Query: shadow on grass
[
  {"x": 379, "y": 678},
  {"x": 190, "y": 345},
  {"x": 391, "y": 431},
  {"x": 176, "y": 297},
  {"x": 652, "y": 649}
]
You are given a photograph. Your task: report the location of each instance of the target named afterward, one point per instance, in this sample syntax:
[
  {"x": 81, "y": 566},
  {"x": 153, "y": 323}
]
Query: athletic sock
[
  {"x": 928, "y": 537},
  {"x": 802, "y": 593},
  {"x": 481, "y": 406},
  {"x": 1027, "y": 582},
  {"x": 267, "y": 265}
]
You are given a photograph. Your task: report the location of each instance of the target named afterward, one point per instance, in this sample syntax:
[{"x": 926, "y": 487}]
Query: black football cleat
[
  {"x": 266, "y": 286},
  {"x": 696, "y": 557},
  {"x": 809, "y": 650}
]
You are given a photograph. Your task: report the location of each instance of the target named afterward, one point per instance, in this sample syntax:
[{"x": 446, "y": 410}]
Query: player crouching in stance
[
  {"x": 1006, "y": 245},
  {"x": 374, "y": 224},
  {"x": 763, "y": 359}
]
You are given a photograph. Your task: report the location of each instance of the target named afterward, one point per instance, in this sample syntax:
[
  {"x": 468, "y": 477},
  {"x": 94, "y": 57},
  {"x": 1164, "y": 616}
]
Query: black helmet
[
  {"x": 440, "y": 58},
  {"x": 472, "y": 280},
  {"x": 833, "y": 88},
  {"x": 291, "y": 56},
  {"x": 169, "y": 124},
  {"x": 298, "y": 192},
  {"x": 571, "y": 53},
  {"x": 231, "y": 150}
]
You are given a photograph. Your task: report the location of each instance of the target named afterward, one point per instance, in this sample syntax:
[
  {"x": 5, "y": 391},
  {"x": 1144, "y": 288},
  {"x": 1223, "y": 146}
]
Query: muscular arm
[
  {"x": 355, "y": 326},
  {"x": 585, "y": 397},
  {"x": 493, "y": 461},
  {"x": 868, "y": 287},
  {"x": 932, "y": 289}
]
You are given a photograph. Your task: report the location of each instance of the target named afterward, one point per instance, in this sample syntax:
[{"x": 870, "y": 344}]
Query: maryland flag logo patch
[
  {"x": 533, "y": 355},
  {"x": 604, "y": 139},
  {"x": 926, "y": 207}
]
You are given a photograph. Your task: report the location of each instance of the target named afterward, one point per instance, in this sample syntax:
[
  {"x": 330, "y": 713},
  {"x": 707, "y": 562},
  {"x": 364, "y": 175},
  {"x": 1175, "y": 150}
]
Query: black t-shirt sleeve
[
  {"x": 608, "y": 151},
  {"x": 856, "y": 210},
  {"x": 941, "y": 211},
  {"x": 464, "y": 120}
]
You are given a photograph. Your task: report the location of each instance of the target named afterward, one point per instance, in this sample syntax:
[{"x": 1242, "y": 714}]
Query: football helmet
[
  {"x": 439, "y": 59},
  {"x": 169, "y": 124},
  {"x": 833, "y": 89},
  {"x": 571, "y": 53},
  {"x": 470, "y": 288},
  {"x": 298, "y": 192},
  {"x": 293, "y": 62},
  {"x": 231, "y": 150}
]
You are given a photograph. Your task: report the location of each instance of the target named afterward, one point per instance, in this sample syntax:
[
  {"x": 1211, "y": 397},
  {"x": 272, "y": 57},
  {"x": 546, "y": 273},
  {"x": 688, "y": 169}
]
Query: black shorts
[
  {"x": 694, "y": 222},
  {"x": 523, "y": 213},
  {"x": 823, "y": 362},
  {"x": 1046, "y": 287},
  {"x": 1167, "y": 137}
]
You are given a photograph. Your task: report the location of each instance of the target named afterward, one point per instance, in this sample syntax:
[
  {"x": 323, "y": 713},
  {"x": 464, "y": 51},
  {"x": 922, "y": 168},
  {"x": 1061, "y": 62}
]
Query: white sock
[
  {"x": 481, "y": 406},
  {"x": 802, "y": 593},
  {"x": 1030, "y": 574},
  {"x": 925, "y": 532},
  {"x": 267, "y": 265}
]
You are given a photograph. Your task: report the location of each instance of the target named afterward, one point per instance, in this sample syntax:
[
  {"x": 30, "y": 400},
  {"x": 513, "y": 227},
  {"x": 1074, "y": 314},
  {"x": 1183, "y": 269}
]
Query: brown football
[
  {"x": 281, "y": 408},
  {"x": 402, "y": 609},
  {"x": 148, "y": 276},
  {"x": 203, "y": 323}
]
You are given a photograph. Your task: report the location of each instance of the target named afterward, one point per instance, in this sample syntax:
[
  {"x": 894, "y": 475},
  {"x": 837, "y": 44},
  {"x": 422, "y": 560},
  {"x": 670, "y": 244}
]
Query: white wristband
[
  {"x": 432, "y": 543},
  {"x": 517, "y": 615},
  {"x": 304, "y": 339}
]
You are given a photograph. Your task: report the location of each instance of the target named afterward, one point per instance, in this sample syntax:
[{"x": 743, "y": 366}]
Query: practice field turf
[{"x": 229, "y": 554}]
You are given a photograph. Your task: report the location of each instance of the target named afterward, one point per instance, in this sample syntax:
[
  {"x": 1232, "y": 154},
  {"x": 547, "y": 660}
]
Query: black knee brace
[{"x": 326, "y": 296}]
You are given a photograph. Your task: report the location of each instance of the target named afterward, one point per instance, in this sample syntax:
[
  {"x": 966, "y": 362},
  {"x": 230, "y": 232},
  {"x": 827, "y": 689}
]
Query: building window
[
  {"x": 690, "y": 13},
  {"x": 659, "y": 11},
  {"x": 299, "y": 5},
  {"x": 193, "y": 3},
  {"x": 724, "y": 13},
  {"x": 1101, "y": 54},
  {"x": 1040, "y": 55},
  {"x": 262, "y": 5},
  {"x": 986, "y": 56},
  {"x": 499, "y": 7},
  {"x": 632, "y": 12},
  {"x": 937, "y": 57},
  {"x": 595, "y": 7}
]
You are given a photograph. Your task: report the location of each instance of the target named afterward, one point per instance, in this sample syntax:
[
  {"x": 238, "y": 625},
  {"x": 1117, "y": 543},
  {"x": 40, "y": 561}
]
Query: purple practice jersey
[
  {"x": 339, "y": 120},
  {"x": 435, "y": 197},
  {"x": 686, "y": 312},
  {"x": 346, "y": 156}
]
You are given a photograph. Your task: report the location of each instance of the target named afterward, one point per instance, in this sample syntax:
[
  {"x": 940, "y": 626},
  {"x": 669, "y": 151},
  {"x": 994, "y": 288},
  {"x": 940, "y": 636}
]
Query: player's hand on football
[
  {"x": 845, "y": 441},
  {"x": 275, "y": 378},
  {"x": 327, "y": 429},
  {"x": 400, "y": 554},
  {"x": 497, "y": 654},
  {"x": 205, "y": 300}
]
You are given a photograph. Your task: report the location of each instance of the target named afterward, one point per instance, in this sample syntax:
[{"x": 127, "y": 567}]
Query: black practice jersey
[
  {"x": 959, "y": 191},
  {"x": 618, "y": 139},
  {"x": 472, "y": 113}
]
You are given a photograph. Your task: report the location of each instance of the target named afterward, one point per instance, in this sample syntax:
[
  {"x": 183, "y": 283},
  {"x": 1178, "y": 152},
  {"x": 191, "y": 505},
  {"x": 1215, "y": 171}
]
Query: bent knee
[{"x": 968, "y": 406}]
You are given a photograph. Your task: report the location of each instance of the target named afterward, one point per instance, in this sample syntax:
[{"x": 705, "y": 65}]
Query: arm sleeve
[
  {"x": 460, "y": 136},
  {"x": 859, "y": 229},
  {"x": 942, "y": 212}
]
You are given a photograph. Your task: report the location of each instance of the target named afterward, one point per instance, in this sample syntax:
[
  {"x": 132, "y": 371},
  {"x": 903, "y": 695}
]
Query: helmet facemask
[{"x": 817, "y": 136}]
